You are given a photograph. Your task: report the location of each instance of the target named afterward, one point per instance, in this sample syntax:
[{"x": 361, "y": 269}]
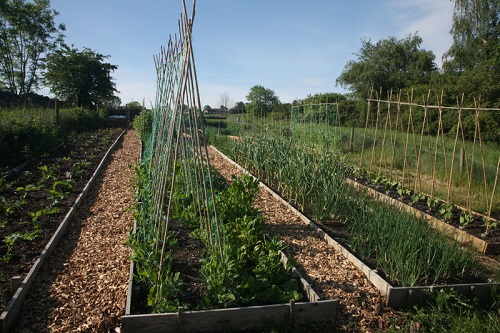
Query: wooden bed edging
[
  {"x": 460, "y": 236},
  {"x": 9, "y": 315},
  {"x": 304, "y": 286},
  {"x": 405, "y": 297},
  {"x": 233, "y": 319},
  {"x": 396, "y": 297}
]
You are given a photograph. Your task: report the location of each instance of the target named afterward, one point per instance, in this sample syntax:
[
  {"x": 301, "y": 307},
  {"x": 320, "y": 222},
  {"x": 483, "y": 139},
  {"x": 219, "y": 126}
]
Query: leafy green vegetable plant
[
  {"x": 445, "y": 210},
  {"x": 466, "y": 217}
]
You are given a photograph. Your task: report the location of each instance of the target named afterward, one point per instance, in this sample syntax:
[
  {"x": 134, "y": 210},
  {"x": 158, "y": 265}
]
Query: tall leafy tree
[
  {"x": 388, "y": 64},
  {"x": 476, "y": 34},
  {"x": 473, "y": 61},
  {"x": 261, "y": 101},
  {"x": 27, "y": 33},
  {"x": 80, "y": 77}
]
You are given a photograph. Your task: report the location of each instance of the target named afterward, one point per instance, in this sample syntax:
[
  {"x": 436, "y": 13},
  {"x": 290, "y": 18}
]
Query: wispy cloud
[{"x": 432, "y": 19}]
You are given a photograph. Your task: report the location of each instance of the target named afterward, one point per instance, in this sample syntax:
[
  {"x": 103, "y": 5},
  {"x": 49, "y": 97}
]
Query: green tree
[
  {"x": 113, "y": 103},
  {"x": 134, "y": 106},
  {"x": 476, "y": 34},
  {"x": 261, "y": 101},
  {"x": 27, "y": 34},
  {"x": 80, "y": 77},
  {"x": 389, "y": 64},
  {"x": 238, "y": 107},
  {"x": 473, "y": 61}
]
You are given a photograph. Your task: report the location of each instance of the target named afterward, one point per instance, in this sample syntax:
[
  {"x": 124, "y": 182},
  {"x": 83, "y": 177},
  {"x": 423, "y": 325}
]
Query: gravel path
[
  {"x": 329, "y": 273},
  {"x": 83, "y": 285}
]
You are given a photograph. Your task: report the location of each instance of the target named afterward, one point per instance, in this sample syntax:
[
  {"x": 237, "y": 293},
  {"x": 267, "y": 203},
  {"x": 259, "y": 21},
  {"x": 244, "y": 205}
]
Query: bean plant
[{"x": 245, "y": 271}]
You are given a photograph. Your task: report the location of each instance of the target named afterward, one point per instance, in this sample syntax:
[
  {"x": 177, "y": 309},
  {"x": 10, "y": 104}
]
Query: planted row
[
  {"x": 28, "y": 199},
  {"x": 242, "y": 269},
  {"x": 405, "y": 248}
]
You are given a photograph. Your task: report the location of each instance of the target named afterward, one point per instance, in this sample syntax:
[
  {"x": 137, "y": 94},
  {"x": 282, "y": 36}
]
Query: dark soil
[{"x": 26, "y": 192}]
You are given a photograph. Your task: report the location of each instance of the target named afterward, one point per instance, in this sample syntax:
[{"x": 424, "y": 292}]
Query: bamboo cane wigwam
[{"x": 178, "y": 150}]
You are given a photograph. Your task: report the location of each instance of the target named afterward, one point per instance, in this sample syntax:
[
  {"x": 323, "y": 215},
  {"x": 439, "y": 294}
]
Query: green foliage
[
  {"x": 143, "y": 124},
  {"x": 445, "y": 311},
  {"x": 388, "y": 64},
  {"x": 466, "y": 217},
  {"x": 60, "y": 189},
  {"x": 471, "y": 63},
  {"x": 27, "y": 33},
  {"x": 445, "y": 210},
  {"x": 261, "y": 101},
  {"x": 248, "y": 271},
  {"x": 406, "y": 249},
  {"x": 244, "y": 270},
  {"x": 237, "y": 200},
  {"x": 15, "y": 238},
  {"x": 80, "y": 77},
  {"x": 29, "y": 133}
]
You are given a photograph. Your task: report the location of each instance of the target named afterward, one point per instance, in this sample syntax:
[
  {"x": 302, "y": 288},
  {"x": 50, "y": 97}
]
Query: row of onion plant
[{"x": 405, "y": 248}]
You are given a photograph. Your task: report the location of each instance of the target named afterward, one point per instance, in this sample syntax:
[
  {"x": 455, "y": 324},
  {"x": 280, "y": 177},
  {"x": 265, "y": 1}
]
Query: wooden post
[
  {"x": 462, "y": 160},
  {"x": 292, "y": 312},
  {"x": 15, "y": 282},
  {"x": 351, "y": 140},
  {"x": 57, "y": 112},
  {"x": 180, "y": 312}
]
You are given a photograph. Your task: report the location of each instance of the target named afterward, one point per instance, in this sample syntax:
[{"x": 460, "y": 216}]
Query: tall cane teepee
[{"x": 177, "y": 154}]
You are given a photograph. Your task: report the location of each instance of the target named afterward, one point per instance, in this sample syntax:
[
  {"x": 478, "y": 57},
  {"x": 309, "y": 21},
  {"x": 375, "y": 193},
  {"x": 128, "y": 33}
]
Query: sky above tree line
[{"x": 293, "y": 47}]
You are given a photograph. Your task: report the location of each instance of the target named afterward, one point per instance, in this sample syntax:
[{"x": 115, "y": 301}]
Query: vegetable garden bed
[
  {"x": 193, "y": 286},
  {"x": 397, "y": 297},
  {"x": 473, "y": 233},
  {"x": 52, "y": 189},
  {"x": 228, "y": 319}
]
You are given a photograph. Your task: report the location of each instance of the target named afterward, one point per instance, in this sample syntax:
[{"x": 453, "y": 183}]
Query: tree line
[
  {"x": 33, "y": 54},
  {"x": 471, "y": 67}
]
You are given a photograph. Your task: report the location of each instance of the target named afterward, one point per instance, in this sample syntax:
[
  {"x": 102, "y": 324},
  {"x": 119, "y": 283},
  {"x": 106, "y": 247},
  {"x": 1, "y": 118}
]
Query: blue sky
[{"x": 294, "y": 47}]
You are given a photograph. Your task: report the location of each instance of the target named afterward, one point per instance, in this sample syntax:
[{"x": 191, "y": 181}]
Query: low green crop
[{"x": 405, "y": 248}]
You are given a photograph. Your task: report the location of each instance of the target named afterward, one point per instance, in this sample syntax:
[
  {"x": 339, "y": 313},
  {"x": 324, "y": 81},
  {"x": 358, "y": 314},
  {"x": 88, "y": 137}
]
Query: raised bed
[
  {"x": 461, "y": 236},
  {"x": 396, "y": 297},
  {"x": 234, "y": 319},
  {"x": 9, "y": 315}
]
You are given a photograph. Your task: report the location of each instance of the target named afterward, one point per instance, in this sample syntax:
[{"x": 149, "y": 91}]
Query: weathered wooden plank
[
  {"x": 234, "y": 319},
  {"x": 404, "y": 297}
]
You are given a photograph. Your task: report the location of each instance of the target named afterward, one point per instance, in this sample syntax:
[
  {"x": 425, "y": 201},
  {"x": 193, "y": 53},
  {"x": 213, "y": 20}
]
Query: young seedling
[
  {"x": 466, "y": 217},
  {"x": 445, "y": 210},
  {"x": 417, "y": 197},
  {"x": 489, "y": 223},
  {"x": 47, "y": 172},
  {"x": 431, "y": 203}
]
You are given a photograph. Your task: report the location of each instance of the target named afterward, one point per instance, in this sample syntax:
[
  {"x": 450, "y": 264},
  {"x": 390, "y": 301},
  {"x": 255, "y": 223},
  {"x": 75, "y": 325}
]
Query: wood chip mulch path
[
  {"x": 329, "y": 273},
  {"x": 83, "y": 285}
]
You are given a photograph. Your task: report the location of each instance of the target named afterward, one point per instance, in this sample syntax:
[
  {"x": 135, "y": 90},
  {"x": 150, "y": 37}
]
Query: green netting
[
  {"x": 176, "y": 156},
  {"x": 321, "y": 113}
]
